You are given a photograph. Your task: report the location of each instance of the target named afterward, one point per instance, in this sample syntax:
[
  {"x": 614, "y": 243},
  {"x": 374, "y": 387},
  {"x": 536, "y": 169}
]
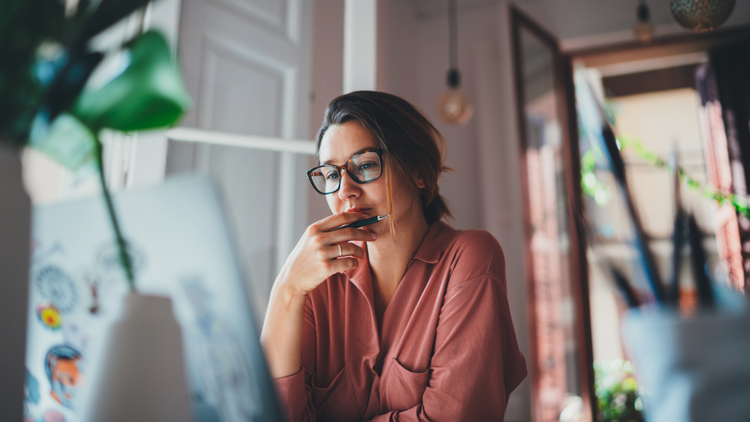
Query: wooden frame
[
  {"x": 661, "y": 46},
  {"x": 578, "y": 262}
]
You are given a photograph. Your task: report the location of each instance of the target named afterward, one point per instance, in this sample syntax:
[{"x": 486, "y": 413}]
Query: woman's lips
[{"x": 361, "y": 210}]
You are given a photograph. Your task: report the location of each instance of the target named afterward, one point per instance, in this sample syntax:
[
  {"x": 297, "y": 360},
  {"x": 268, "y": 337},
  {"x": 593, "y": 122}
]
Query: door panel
[
  {"x": 278, "y": 17},
  {"x": 254, "y": 106},
  {"x": 247, "y": 66}
]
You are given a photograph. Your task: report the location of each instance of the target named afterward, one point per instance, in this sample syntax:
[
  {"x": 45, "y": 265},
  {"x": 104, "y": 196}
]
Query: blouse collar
[
  {"x": 434, "y": 242},
  {"x": 430, "y": 251}
]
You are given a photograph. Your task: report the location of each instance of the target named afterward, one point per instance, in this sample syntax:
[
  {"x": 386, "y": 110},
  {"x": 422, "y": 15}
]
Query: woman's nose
[{"x": 348, "y": 187}]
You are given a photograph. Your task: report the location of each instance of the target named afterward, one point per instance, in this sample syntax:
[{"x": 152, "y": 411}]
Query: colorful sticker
[
  {"x": 108, "y": 257},
  {"x": 64, "y": 367},
  {"x": 49, "y": 316},
  {"x": 53, "y": 415},
  {"x": 31, "y": 388},
  {"x": 94, "y": 283},
  {"x": 55, "y": 285},
  {"x": 30, "y": 395}
]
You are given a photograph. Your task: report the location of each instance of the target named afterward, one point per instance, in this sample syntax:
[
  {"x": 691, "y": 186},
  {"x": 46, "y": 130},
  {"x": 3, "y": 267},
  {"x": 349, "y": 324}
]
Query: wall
[
  {"x": 413, "y": 63},
  {"x": 483, "y": 189},
  {"x": 327, "y": 79}
]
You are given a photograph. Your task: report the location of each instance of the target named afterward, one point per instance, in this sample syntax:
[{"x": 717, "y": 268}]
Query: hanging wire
[
  {"x": 642, "y": 12},
  {"x": 453, "y": 34}
]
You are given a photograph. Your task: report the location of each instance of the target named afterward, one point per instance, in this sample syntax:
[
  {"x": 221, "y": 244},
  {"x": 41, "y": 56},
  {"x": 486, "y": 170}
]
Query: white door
[{"x": 247, "y": 66}]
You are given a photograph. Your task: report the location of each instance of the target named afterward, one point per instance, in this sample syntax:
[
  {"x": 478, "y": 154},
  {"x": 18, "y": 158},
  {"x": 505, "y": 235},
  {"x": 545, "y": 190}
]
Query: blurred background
[{"x": 261, "y": 72}]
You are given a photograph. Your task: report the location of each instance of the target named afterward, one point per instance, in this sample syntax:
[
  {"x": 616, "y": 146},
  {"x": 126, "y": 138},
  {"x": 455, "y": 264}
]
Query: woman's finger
[
  {"x": 342, "y": 264},
  {"x": 347, "y": 234},
  {"x": 338, "y": 220},
  {"x": 346, "y": 249}
]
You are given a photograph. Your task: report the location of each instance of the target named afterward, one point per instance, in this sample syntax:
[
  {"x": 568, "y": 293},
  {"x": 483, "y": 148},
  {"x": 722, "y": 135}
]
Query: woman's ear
[{"x": 419, "y": 182}]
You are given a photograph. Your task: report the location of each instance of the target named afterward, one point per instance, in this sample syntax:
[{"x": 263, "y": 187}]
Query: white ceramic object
[
  {"x": 693, "y": 369},
  {"x": 140, "y": 374},
  {"x": 15, "y": 234}
]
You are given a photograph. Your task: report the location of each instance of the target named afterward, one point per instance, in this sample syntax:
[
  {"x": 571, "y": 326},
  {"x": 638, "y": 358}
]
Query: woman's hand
[{"x": 316, "y": 256}]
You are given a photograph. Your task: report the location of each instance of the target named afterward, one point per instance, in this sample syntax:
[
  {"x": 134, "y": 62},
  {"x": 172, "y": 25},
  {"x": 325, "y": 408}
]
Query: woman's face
[{"x": 339, "y": 144}]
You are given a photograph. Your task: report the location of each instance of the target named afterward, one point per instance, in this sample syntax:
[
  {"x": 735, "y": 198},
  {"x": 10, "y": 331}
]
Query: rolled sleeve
[
  {"x": 291, "y": 391},
  {"x": 294, "y": 391}
]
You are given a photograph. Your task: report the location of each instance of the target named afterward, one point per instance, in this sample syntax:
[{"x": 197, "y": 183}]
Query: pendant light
[
  {"x": 701, "y": 15},
  {"x": 644, "y": 28},
  {"x": 454, "y": 106}
]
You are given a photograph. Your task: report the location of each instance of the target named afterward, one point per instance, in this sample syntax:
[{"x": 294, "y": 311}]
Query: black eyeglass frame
[{"x": 345, "y": 167}]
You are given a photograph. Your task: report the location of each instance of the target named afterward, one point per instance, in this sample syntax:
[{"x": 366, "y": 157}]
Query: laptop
[{"x": 181, "y": 247}]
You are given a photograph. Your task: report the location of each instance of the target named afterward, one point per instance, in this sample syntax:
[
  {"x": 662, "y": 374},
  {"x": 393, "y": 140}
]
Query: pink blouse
[{"x": 446, "y": 351}]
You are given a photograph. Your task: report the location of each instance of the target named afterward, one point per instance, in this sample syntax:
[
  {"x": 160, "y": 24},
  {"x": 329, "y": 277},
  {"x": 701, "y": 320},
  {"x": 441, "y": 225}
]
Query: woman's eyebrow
[{"x": 355, "y": 153}]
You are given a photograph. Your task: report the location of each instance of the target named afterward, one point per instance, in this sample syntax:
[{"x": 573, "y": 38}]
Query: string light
[{"x": 644, "y": 28}]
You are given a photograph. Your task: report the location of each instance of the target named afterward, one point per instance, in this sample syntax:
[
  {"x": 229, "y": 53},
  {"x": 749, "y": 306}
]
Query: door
[
  {"x": 560, "y": 362},
  {"x": 247, "y": 66}
]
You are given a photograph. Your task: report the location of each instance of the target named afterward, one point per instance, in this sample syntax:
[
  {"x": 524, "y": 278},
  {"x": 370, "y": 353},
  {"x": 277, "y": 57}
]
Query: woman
[{"x": 405, "y": 319}]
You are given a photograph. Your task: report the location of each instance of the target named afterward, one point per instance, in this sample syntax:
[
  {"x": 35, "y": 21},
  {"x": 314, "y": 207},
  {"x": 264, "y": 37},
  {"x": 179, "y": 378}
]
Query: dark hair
[{"x": 411, "y": 144}]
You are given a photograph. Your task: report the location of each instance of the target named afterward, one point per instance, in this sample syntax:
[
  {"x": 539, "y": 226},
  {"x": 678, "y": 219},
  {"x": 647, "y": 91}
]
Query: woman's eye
[
  {"x": 367, "y": 166},
  {"x": 332, "y": 175}
]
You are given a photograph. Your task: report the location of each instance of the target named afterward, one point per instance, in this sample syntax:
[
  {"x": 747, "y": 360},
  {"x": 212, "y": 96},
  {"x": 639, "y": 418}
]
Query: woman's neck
[{"x": 389, "y": 256}]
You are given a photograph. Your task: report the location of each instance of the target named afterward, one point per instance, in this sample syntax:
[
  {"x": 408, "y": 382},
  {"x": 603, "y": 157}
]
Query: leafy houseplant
[
  {"x": 44, "y": 99},
  {"x": 617, "y": 391}
]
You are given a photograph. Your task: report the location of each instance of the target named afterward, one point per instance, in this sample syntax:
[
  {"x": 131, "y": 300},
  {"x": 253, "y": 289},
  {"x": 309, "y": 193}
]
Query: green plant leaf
[
  {"x": 148, "y": 94},
  {"x": 24, "y": 25},
  {"x": 108, "y": 12},
  {"x": 67, "y": 140},
  {"x": 69, "y": 82}
]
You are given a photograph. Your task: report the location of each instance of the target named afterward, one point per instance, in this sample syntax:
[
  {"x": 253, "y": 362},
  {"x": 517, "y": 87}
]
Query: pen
[
  {"x": 698, "y": 262},
  {"x": 673, "y": 296},
  {"x": 618, "y": 170},
  {"x": 677, "y": 240},
  {"x": 362, "y": 223},
  {"x": 625, "y": 289}
]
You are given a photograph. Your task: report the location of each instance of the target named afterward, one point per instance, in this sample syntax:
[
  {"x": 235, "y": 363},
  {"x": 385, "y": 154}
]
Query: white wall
[
  {"x": 483, "y": 191},
  {"x": 413, "y": 62},
  {"x": 327, "y": 78}
]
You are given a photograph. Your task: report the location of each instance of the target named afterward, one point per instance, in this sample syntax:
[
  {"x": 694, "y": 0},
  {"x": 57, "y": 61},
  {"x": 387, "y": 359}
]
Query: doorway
[
  {"x": 579, "y": 368},
  {"x": 656, "y": 114}
]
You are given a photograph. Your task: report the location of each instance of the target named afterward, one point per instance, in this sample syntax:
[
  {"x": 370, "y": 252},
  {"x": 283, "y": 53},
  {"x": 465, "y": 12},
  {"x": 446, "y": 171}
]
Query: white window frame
[{"x": 141, "y": 158}]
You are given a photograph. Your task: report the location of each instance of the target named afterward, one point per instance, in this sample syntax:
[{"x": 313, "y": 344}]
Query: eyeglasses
[{"x": 364, "y": 167}]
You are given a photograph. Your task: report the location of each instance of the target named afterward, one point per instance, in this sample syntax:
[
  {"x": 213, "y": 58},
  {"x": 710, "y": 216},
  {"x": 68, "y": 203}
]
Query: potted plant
[{"x": 45, "y": 103}]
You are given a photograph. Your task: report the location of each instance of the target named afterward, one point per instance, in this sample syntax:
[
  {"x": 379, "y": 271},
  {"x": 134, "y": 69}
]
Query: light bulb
[
  {"x": 643, "y": 29},
  {"x": 454, "y": 107}
]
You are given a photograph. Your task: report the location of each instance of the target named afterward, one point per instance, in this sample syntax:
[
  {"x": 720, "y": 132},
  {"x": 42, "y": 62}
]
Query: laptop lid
[{"x": 181, "y": 248}]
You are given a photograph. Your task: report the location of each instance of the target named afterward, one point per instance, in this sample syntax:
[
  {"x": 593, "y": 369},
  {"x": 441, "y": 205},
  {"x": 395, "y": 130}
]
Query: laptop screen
[{"x": 181, "y": 248}]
